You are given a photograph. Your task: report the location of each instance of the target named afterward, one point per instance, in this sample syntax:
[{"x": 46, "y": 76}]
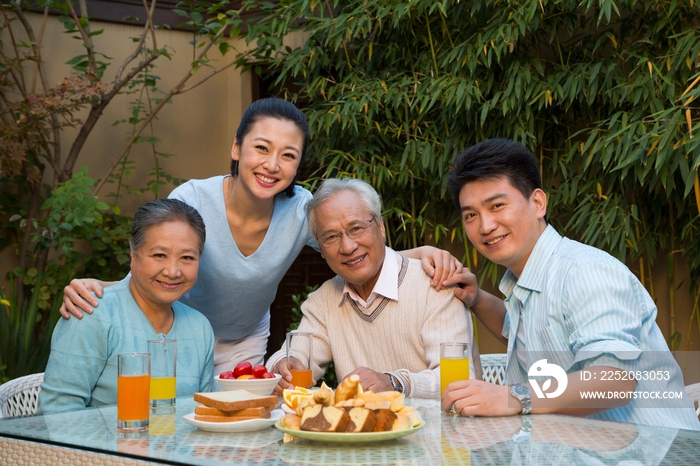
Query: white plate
[
  {"x": 238, "y": 426},
  {"x": 286, "y": 408},
  {"x": 344, "y": 437}
]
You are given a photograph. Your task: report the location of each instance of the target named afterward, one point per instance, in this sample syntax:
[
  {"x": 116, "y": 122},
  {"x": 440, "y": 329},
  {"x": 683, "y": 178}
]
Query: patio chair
[
  {"x": 494, "y": 368},
  {"x": 693, "y": 392},
  {"x": 20, "y": 397}
]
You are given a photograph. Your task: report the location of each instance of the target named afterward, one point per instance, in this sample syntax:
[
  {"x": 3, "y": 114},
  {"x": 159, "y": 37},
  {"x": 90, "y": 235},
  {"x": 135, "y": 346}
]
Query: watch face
[{"x": 520, "y": 390}]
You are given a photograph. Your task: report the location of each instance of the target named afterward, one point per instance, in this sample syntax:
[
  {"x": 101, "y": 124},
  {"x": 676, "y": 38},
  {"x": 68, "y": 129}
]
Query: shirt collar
[
  {"x": 533, "y": 275},
  {"x": 387, "y": 284}
]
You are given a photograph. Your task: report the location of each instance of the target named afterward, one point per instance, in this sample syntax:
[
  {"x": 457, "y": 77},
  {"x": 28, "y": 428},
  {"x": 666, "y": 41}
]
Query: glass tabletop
[{"x": 445, "y": 439}]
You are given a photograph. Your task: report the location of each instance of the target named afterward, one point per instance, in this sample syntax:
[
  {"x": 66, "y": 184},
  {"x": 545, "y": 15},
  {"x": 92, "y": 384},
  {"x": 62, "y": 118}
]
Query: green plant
[
  {"x": 603, "y": 92},
  {"x": 54, "y": 223},
  {"x": 25, "y": 340}
]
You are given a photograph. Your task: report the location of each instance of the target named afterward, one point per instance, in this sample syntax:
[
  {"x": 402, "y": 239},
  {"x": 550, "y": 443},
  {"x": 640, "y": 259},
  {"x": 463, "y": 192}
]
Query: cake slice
[
  {"x": 385, "y": 420},
  {"x": 324, "y": 418},
  {"x": 361, "y": 419},
  {"x": 234, "y": 400}
]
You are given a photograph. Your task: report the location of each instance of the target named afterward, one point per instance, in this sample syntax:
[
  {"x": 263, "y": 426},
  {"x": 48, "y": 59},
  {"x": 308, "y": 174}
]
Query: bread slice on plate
[
  {"x": 200, "y": 417},
  {"x": 263, "y": 412},
  {"x": 234, "y": 400}
]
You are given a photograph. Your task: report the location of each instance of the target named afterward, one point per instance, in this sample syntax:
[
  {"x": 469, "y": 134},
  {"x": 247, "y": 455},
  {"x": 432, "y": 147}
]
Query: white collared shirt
[{"x": 387, "y": 284}]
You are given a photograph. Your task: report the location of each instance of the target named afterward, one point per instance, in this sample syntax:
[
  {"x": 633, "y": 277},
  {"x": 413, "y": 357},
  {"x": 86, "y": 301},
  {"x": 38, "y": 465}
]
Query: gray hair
[
  {"x": 161, "y": 211},
  {"x": 368, "y": 196}
]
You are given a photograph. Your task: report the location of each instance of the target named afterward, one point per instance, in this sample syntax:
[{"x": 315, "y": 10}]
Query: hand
[
  {"x": 440, "y": 265},
  {"x": 479, "y": 398},
  {"x": 468, "y": 286},
  {"x": 282, "y": 368},
  {"x": 77, "y": 296},
  {"x": 373, "y": 380}
]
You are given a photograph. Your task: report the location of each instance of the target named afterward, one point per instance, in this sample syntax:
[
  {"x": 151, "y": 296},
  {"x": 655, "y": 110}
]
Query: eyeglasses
[{"x": 335, "y": 237}]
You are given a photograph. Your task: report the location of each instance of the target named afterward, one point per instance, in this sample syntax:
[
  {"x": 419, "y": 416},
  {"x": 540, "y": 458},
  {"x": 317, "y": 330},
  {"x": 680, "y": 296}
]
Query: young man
[{"x": 571, "y": 312}]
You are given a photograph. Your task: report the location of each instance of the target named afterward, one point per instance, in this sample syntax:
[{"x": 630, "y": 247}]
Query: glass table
[{"x": 90, "y": 437}]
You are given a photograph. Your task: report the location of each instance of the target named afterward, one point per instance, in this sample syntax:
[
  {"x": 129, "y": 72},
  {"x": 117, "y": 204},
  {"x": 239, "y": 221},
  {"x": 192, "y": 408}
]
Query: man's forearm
[
  {"x": 491, "y": 311},
  {"x": 574, "y": 402}
]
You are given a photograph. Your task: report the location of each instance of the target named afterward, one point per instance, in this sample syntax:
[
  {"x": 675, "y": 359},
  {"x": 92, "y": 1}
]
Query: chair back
[
  {"x": 494, "y": 368},
  {"x": 693, "y": 392},
  {"x": 20, "y": 396}
]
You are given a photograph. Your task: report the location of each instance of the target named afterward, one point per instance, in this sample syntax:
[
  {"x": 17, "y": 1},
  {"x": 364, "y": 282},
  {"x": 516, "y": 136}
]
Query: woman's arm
[{"x": 77, "y": 296}]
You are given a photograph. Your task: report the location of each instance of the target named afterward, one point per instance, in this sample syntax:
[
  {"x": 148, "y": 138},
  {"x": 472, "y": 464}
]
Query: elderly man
[{"x": 379, "y": 318}]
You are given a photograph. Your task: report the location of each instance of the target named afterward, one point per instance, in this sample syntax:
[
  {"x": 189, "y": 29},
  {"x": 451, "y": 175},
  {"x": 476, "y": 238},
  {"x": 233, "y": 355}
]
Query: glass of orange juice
[
  {"x": 163, "y": 367},
  {"x": 454, "y": 363},
  {"x": 299, "y": 345},
  {"x": 133, "y": 390}
]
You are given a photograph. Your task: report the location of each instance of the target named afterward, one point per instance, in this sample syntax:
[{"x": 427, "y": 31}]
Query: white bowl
[{"x": 258, "y": 386}]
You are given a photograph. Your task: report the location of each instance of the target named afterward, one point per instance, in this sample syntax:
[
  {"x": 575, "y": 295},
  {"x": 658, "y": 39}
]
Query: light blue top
[
  {"x": 582, "y": 308},
  {"x": 82, "y": 367},
  {"x": 235, "y": 291}
]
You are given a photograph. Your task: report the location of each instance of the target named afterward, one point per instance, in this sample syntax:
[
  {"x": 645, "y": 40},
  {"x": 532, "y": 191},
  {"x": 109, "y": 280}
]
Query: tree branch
[
  {"x": 174, "y": 91},
  {"x": 84, "y": 34},
  {"x": 139, "y": 46}
]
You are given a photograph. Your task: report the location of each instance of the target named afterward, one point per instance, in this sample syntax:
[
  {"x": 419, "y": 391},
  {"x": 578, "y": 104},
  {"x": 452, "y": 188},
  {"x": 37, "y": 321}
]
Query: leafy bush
[
  {"x": 603, "y": 92},
  {"x": 25, "y": 341}
]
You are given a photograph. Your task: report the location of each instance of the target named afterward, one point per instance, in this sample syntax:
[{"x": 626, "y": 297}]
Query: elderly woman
[{"x": 167, "y": 240}]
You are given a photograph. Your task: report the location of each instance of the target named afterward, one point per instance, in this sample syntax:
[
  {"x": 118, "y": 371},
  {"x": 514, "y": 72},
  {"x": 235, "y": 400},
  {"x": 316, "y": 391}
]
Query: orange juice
[
  {"x": 452, "y": 370},
  {"x": 301, "y": 378},
  {"x": 162, "y": 388},
  {"x": 132, "y": 397}
]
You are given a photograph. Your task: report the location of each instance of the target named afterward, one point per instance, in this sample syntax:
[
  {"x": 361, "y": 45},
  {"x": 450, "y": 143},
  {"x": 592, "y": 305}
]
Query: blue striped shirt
[{"x": 582, "y": 308}]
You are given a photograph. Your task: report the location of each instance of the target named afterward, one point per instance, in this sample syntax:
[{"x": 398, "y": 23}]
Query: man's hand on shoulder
[
  {"x": 467, "y": 289},
  {"x": 479, "y": 398}
]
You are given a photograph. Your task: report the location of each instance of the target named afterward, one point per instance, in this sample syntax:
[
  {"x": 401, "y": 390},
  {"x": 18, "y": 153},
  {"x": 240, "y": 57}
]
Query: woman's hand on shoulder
[{"x": 77, "y": 297}]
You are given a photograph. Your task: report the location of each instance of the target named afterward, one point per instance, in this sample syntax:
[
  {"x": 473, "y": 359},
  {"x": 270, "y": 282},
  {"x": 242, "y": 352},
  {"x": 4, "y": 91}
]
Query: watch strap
[{"x": 395, "y": 382}]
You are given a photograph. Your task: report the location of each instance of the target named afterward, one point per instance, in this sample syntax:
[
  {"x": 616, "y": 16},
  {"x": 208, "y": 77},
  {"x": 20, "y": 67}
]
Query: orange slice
[{"x": 293, "y": 396}]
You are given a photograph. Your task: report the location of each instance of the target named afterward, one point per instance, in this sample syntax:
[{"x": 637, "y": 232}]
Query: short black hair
[
  {"x": 272, "y": 107},
  {"x": 161, "y": 211},
  {"x": 495, "y": 158}
]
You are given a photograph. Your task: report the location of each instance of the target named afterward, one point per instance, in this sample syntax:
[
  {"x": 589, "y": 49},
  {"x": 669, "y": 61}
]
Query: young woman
[
  {"x": 256, "y": 222},
  {"x": 167, "y": 240}
]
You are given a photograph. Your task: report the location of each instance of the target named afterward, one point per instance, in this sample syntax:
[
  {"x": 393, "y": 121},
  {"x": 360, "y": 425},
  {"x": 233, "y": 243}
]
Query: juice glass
[
  {"x": 163, "y": 367},
  {"x": 133, "y": 389},
  {"x": 454, "y": 363},
  {"x": 303, "y": 344}
]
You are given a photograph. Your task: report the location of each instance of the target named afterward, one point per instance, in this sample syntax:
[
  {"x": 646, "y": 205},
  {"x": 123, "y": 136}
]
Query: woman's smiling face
[
  {"x": 269, "y": 156},
  {"x": 165, "y": 267}
]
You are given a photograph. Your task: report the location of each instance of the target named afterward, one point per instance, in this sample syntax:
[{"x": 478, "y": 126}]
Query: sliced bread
[
  {"x": 234, "y": 400},
  {"x": 199, "y": 417},
  {"x": 262, "y": 411}
]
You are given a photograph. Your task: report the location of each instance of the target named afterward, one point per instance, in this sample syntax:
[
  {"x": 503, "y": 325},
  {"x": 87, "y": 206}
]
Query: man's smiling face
[
  {"x": 500, "y": 222},
  {"x": 359, "y": 261}
]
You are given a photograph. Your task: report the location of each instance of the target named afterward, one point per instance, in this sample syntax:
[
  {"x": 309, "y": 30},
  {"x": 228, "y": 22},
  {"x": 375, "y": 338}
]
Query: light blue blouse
[
  {"x": 82, "y": 367},
  {"x": 582, "y": 308},
  {"x": 235, "y": 291}
]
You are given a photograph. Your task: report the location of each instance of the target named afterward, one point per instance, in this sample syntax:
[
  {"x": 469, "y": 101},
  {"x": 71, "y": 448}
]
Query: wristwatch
[
  {"x": 525, "y": 434},
  {"x": 395, "y": 383},
  {"x": 521, "y": 393}
]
